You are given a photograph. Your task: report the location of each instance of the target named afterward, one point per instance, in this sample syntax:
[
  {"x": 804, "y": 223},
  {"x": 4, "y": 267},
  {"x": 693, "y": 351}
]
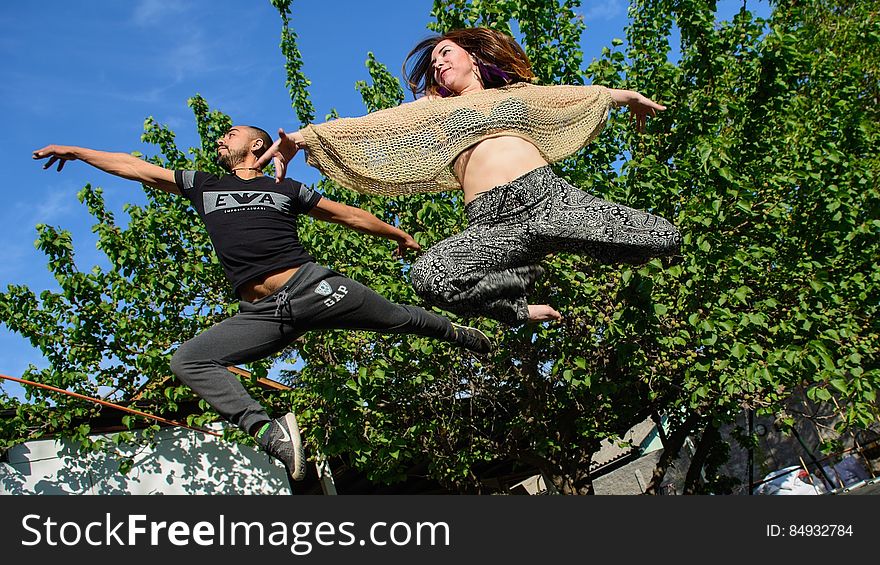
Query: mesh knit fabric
[{"x": 410, "y": 148}]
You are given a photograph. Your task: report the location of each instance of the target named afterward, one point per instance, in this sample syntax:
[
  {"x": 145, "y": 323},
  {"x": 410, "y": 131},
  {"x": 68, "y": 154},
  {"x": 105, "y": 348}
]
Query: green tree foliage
[{"x": 765, "y": 159}]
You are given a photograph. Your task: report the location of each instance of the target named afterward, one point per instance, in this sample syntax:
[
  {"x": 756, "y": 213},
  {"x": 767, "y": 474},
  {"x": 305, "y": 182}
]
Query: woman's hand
[
  {"x": 281, "y": 153},
  {"x": 640, "y": 106}
]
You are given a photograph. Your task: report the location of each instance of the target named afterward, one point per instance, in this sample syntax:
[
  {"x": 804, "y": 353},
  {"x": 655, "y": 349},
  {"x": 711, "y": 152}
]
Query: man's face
[{"x": 233, "y": 147}]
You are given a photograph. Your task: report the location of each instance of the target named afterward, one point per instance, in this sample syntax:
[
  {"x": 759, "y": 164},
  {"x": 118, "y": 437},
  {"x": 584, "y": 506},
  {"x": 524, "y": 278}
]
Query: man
[{"x": 251, "y": 220}]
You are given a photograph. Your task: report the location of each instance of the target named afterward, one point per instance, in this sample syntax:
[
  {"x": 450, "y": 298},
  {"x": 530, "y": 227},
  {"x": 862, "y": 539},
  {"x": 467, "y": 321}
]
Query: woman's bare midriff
[
  {"x": 262, "y": 287},
  {"x": 493, "y": 162}
]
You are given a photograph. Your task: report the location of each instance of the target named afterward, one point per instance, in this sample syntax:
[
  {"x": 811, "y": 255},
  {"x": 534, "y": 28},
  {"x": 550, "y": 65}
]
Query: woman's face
[{"x": 454, "y": 68}]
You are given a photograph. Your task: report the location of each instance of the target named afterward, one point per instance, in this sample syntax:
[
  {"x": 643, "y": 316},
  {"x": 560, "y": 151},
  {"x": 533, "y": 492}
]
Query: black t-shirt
[{"x": 252, "y": 223}]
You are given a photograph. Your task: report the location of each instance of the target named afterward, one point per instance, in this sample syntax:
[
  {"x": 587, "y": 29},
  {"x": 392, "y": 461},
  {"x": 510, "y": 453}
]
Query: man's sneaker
[
  {"x": 471, "y": 339},
  {"x": 285, "y": 444}
]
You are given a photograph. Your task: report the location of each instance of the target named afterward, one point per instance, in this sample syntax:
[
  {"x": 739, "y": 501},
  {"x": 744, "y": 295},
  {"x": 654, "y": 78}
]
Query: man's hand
[
  {"x": 406, "y": 242},
  {"x": 281, "y": 152},
  {"x": 640, "y": 106},
  {"x": 60, "y": 153}
]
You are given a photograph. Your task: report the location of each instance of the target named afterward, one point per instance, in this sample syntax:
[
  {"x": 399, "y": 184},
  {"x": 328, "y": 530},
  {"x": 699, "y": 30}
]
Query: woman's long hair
[{"x": 499, "y": 57}]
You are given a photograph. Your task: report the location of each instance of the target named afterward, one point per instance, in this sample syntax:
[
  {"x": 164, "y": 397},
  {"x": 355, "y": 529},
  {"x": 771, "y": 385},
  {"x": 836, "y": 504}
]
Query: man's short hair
[{"x": 259, "y": 133}]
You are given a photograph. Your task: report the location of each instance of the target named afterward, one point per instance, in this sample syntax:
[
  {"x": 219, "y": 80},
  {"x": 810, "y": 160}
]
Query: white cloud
[
  {"x": 152, "y": 12},
  {"x": 190, "y": 57},
  {"x": 51, "y": 208},
  {"x": 605, "y": 9}
]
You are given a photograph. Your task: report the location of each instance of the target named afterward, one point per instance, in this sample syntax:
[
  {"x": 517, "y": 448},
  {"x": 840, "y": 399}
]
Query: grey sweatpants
[
  {"x": 487, "y": 269},
  {"x": 315, "y": 298}
]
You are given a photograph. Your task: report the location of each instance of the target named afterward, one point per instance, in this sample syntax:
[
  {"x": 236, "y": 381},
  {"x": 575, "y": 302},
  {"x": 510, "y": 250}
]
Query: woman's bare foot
[{"x": 543, "y": 313}]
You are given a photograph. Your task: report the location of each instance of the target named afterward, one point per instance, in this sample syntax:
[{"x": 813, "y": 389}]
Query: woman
[{"x": 483, "y": 128}]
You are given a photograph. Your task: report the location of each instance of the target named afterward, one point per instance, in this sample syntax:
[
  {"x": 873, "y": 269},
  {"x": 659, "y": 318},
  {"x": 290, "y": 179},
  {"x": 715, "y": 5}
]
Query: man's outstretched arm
[
  {"x": 362, "y": 221},
  {"x": 119, "y": 164}
]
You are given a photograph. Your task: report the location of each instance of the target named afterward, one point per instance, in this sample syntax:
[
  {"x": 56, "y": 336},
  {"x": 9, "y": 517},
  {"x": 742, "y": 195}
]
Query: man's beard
[{"x": 231, "y": 158}]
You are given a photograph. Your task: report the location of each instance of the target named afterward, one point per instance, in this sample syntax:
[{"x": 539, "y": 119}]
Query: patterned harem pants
[{"x": 487, "y": 269}]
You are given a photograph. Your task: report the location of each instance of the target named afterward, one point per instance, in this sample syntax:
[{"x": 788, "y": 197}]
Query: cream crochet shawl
[{"x": 411, "y": 148}]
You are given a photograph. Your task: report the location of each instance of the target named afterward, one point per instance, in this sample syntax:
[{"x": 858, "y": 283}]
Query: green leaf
[{"x": 839, "y": 384}]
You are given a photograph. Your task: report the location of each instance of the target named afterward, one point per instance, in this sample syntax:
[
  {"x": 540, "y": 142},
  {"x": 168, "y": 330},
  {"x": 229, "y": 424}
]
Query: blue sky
[{"x": 89, "y": 73}]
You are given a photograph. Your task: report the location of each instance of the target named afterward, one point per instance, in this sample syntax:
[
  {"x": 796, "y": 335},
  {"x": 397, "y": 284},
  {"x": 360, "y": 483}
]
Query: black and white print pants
[{"x": 488, "y": 269}]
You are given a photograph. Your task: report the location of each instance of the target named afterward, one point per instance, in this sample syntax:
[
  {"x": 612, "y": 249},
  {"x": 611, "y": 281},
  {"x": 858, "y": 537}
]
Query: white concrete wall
[{"x": 182, "y": 462}]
